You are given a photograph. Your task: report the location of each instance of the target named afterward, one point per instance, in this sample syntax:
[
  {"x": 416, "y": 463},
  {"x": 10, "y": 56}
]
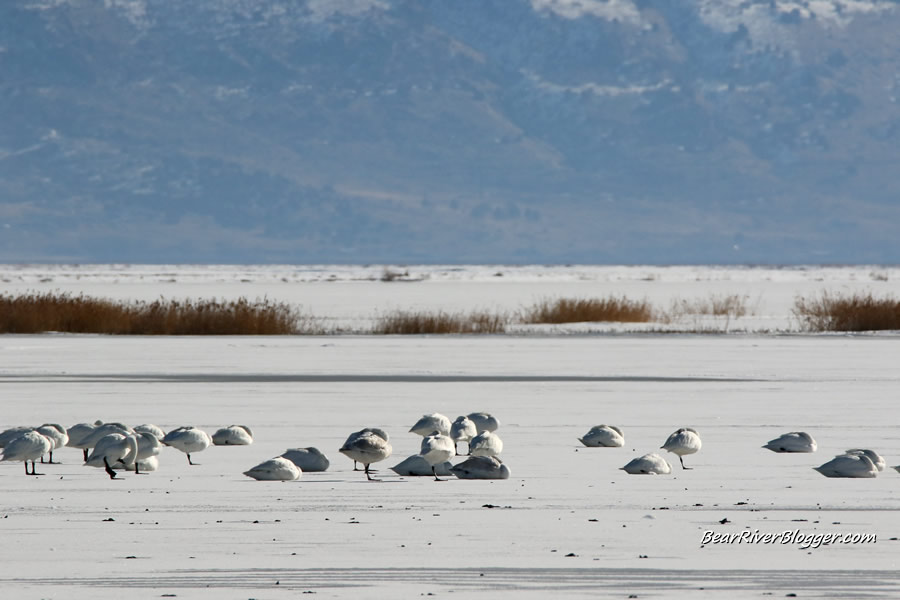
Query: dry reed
[
  {"x": 37, "y": 313},
  {"x": 418, "y": 323},
  {"x": 858, "y": 312},
  {"x": 569, "y": 310}
]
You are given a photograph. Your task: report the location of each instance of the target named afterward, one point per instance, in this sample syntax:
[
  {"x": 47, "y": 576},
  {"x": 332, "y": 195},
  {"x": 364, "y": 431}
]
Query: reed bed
[
  {"x": 37, "y": 313},
  {"x": 418, "y": 323},
  {"x": 857, "y": 312},
  {"x": 577, "y": 310}
]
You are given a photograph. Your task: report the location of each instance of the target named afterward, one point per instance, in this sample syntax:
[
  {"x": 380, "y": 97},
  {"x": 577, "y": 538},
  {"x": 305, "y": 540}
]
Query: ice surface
[{"x": 568, "y": 521}]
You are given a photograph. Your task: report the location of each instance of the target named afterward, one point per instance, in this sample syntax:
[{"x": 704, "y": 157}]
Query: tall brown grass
[
  {"x": 36, "y": 313},
  {"x": 858, "y": 312},
  {"x": 418, "y": 322},
  {"x": 575, "y": 310}
]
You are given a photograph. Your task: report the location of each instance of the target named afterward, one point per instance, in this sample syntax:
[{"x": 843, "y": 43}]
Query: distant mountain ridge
[{"x": 620, "y": 131}]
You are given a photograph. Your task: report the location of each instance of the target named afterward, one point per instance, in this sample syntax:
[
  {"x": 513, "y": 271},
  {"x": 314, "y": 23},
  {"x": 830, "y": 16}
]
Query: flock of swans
[{"x": 116, "y": 447}]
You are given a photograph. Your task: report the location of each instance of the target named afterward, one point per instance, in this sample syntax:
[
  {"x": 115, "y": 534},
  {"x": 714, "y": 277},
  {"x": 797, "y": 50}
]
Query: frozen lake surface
[{"x": 567, "y": 522}]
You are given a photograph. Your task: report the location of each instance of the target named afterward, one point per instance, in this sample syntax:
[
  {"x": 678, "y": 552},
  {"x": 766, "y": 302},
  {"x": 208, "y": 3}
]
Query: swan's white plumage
[
  {"x": 157, "y": 431},
  {"x": 417, "y": 466},
  {"x": 794, "y": 441},
  {"x": 649, "y": 464},
  {"x": 463, "y": 429},
  {"x": 486, "y": 443},
  {"x": 876, "y": 458},
  {"x": 308, "y": 460},
  {"x": 28, "y": 445},
  {"x": 848, "y": 465},
  {"x": 437, "y": 448},
  {"x": 233, "y": 435},
  {"x": 188, "y": 439},
  {"x": 484, "y": 421},
  {"x": 429, "y": 423},
  {"x": 682, "y": 442},
  {"x": 12, "y": 433},
  {"x": 366, "y": 447},
  {"x": 603, "y": 436},
  {"x": 275, "y": 469},
  {"x": 115, "y": 448},
  {"x": 481, "y": 467}
]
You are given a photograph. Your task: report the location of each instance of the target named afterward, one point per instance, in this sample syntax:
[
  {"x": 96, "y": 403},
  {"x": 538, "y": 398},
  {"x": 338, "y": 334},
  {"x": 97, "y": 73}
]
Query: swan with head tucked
[
  {"x": 28, "y": 445},
  {"x": 848, "y": 465},
  {"x": 417, "y": 466},
  {"x": 233, "y": 435},
  {"x": 462, "y": 430},
  {"x": 430, "y": 423},
  {"x": 275, "y": 469},
  {"x": 649, "y": 464},
  {"x": 486, "y": 443},
  {"x": 56, "y": 433},
  {"x": 684, "y": 441},
  {"x": 157, "y": 431},
  {"x": 353, "y": 436},
  {"x": 79, "y": 432},
  {"x": 484, "y": 421},
  {"x": 367, "y": 448},
  {"x": 308, "y": 460},
  {"x": 148, "y": 447},
  {"x": 876, "y": 458},
  {"x": 795, "y": 441},
  {"x": 189, "y": 440},
  {"x": 90, "y": 439},
  {"x": 481, "y": 467},
  {"x": 437, "y": 448},
  {"x": 12, "y": 433},
  {"x": 603, "y": 436}
]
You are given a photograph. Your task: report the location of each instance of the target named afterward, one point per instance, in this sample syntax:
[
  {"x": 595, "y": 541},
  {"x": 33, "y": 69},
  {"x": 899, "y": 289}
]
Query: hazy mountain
[{"x": 450, "y": 131}]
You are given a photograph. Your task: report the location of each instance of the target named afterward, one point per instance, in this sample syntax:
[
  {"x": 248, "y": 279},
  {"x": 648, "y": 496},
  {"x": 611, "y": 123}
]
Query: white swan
[
  {"x": 417, "y": 466},
  {"x": 484, "y": 421},
  {"x": 848, "y": 465},
  {"x": 157, "y": 431},
  {"x": 367, "y": 448},
  {"x": 486, "y": 443},
  {"x": 275, "y": 469},
  {"x": 111, "y": 449},
  {"x": 462, "y": 430},
  {"x": 233, "y": 435},
  {"x": 353, "y": 436},
  {"x": 148, "y": 447},
  {"x": 28, "y": 445},
  {"x": 437, "y": 448},
  {"x": 795, "y": 441},
  {"x": 57, "y": 435},
  {"x": 308, "y": 460},
  {"x": 648, "y": 464},
  {"x": 79, "y": 432},
  {"x": 603, "y": 436},
  {"x": 682, "y": 442},
  {"x": 876, "y": 458},
  {"x": 481, "y": 467},
  {"x": 90, "y": 440},
  {"x": 12, "y": 433},
  {"x": 189, "y": 440},
  {"x": 429, "y": 423}
]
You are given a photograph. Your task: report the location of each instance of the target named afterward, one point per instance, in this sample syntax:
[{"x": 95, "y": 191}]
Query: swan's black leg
[
  {"x": 369, "y": 477},
  {"x": 33, "y": 472},
  {"x": 682, "y": 464},
  {"x": 109, "y": 471},
  {"x": 434, "y": 472},
  {"x": 85, "y": 450},
  {"x": 189, "y": 459}
]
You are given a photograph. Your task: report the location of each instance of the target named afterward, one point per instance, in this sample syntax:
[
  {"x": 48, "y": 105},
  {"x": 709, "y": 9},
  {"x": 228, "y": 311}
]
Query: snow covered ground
[{"x": 568, "y": 522}]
